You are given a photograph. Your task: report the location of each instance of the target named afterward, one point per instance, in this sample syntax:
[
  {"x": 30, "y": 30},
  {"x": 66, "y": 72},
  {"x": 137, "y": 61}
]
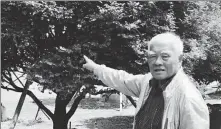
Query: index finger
[{"x": 86, "y": 58}]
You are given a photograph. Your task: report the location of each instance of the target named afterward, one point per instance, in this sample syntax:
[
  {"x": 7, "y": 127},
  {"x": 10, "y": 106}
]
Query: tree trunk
[
  {"x": 60, "y": 120},
  {"x": 60, "y": 123},
  {"x": 20, "y": 104}
]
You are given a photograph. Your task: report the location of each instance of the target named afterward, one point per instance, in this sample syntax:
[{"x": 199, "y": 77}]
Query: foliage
[
  {"x": 48, "y": 46},
  {"x": 205, "y": 50},
  {"x": 48, "y": 27},
  {"x": 132, "y": 25}
]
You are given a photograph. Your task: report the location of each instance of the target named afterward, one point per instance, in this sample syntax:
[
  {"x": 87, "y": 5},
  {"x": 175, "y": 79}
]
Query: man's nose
[{"x": 159, "y": 61}]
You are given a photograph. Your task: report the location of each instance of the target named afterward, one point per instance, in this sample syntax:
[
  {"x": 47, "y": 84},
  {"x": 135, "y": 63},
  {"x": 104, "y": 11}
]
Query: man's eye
[
  {"x": 165, "y": 56},
  {"x": 152, "y": 56}
]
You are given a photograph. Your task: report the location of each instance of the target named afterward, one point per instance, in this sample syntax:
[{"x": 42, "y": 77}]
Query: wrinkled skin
[{"x": 163, "y": 59}]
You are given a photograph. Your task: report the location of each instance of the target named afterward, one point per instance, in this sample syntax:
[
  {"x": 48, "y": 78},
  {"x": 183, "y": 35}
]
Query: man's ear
[{"x": 181, "y": 58}]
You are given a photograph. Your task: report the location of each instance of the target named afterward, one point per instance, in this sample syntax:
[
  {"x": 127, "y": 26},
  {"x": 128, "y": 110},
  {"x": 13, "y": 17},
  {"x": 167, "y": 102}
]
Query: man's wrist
[{"x": 97, "y": 67}]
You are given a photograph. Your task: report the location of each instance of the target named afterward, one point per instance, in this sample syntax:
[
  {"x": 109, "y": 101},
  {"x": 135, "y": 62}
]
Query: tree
[
  {"x": 39, "y": 47},
  {"x": 132, "y": 24},
  {"x": 205, "y": 53}
]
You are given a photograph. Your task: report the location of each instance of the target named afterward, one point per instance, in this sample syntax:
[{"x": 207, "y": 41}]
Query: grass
[
  {"x": 88, "y": 103},
  {"x": 215, "y": 95},
  {"x": 116, "y": 122},
  {"x": 96, "y": 103}
]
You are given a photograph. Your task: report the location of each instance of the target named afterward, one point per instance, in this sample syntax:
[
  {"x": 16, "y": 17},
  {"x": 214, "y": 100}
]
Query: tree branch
[
  {"x": 3, "y": 80},
  {"x": 77, "y": 101},
  {"x": 8, "y": 78},
  {"x": 11, "y": 82},
  {"x": 18, "y": 78},
  {"x": 6, "y": 88},
  {"x": 37, "y": 101},
  {"x": 69, "y": 97},
  {"x": 74, "y": 106},
  {"x": 9, "y": 73}
]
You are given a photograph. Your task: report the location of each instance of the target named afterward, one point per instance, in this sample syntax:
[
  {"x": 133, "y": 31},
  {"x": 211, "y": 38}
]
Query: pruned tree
[{"x": 45, "y": 41}]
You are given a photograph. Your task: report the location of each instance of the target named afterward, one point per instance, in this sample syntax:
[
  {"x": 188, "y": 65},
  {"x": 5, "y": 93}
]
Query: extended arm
[{"x": 120, "y": 80}]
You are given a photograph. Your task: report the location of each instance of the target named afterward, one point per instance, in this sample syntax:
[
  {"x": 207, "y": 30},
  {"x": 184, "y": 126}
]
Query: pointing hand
[{"x": 89, "y": 65}]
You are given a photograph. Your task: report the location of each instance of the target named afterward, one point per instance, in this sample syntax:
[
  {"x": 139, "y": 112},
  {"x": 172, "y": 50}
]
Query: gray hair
[{"x": 168, "y": 37}]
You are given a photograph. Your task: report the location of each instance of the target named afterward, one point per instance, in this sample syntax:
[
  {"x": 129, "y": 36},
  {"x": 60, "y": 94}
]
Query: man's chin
[{"x": 159, "y": 77}]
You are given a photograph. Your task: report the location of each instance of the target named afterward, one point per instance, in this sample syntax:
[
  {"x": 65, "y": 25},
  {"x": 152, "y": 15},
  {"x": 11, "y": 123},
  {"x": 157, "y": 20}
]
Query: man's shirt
[{"x": 151, "y": 114}]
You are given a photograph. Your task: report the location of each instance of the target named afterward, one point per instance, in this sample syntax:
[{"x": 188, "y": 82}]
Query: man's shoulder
[
  {"x": 185, "y": 81},
  {"x": 144, "y": 80},
  {"x": 188, "y": 88},
  {"x": 144, "y": 77},
  {"x": 148, "y": 75}
]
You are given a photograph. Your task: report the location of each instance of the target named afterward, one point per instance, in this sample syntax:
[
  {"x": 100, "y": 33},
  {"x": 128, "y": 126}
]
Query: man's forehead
[
  {"x": 161, "y": 46},
  {"x": 165, "y": 37},
  {"x": 161, "y": 43},
  {"x": 161, "y": 52},
  {"x": 165, "y": 42}
]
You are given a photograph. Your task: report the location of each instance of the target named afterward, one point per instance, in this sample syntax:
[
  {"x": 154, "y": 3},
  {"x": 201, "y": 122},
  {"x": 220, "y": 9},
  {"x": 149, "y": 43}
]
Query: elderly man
[{"x": 167, "y": 97}]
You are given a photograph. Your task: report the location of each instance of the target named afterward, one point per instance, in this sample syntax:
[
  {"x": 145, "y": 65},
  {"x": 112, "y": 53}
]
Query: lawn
[
  {"x": 116, "y": 122},
  {"x": 92, "y": 113}
]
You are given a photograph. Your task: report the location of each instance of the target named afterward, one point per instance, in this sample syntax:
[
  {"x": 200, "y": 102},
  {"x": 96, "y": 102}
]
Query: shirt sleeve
[
  {"x": 194, "y": 114},
  {"x": 120, "y": 80}
]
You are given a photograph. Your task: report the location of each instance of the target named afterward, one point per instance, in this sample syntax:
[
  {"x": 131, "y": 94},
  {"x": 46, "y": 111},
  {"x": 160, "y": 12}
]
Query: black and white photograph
[{"x": 110, "y": 65}]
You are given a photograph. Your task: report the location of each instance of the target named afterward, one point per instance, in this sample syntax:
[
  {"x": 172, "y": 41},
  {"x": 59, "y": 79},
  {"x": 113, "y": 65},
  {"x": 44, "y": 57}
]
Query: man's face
[{"x": 163, "y": 59}]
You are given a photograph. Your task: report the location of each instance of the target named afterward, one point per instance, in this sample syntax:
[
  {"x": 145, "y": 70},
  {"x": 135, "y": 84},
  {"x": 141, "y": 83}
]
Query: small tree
[
  {"x": 35, "y": 38},
  {"x": 205, "y": 53}
]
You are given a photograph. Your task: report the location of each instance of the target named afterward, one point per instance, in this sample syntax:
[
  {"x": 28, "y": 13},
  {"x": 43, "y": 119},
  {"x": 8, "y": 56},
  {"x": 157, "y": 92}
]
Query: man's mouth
[{"x": 158, "y": 70}]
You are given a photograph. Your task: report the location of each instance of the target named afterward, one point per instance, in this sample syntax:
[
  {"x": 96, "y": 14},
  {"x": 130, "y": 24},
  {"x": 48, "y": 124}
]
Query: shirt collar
[{"x": 161, "y": 84}]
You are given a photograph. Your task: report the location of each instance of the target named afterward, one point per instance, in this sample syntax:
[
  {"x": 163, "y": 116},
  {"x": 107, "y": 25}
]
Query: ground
[
  {"x": 91, "y": 114},
  {"x": 88, "y": 116}
]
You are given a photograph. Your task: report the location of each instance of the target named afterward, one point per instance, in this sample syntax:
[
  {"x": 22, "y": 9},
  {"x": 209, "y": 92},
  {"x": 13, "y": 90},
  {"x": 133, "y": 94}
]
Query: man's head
[{"x": 165, "y": 55}]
